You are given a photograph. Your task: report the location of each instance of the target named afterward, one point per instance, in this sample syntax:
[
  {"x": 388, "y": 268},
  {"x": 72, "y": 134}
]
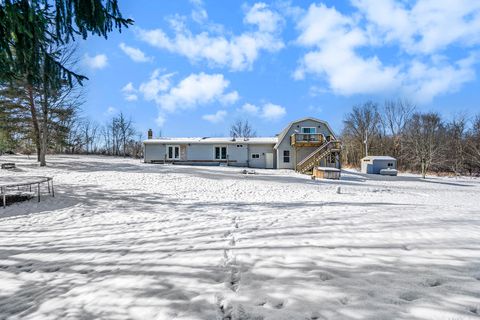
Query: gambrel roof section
[{"x": 282, "y": 134}]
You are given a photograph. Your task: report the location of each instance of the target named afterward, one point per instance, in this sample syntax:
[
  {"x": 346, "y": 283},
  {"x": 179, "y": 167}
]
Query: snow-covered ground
[{"x": 127, "y": 240}]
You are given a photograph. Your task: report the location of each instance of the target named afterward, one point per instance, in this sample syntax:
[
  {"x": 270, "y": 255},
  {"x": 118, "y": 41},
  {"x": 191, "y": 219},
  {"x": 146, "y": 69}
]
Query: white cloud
[
  {"x": 157, "y": 83},
  {"x": 128, "y": 88},
  {"x": 110, "y": 111},
  {"x": 335, "y": 39},
  {"x": 315, "y": 109},
  {"x": 135, "y": 54},
  {"x": 236, "y": 52},
  {"x": 315, "y": 91},
  {"x": 272, "y": 112},
  {"x": 425, "y": 26},
  {"x": 129, "y": 92},
  {"x": 229, "y": 98},
  {"x": 131, "y": 97},
  {"x": 197, "y": 2},
  {"x": 268, "y": 111},
  {"x": 160, "y": 121},
  {"x": 266, "y": 19},
  {"x": 427, "y": 81},
  {"x": 249, "y": 108},
  {"x": 199, "y": 14},
  {"x": 337, "y": 44},
  {"x": 217, "y": 117},
  {"x": 99, "y": 61},
  {"x": 195, "y": 90}
]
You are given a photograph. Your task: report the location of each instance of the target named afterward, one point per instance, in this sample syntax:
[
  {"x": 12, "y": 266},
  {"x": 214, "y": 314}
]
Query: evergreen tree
[{"x": 30, "y": 28}]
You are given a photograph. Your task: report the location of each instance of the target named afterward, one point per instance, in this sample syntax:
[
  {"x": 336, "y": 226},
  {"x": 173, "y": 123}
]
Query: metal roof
[
  {"x": 227, "y": 140},
  {"x": 378, "y": 158},
  {"x": 213, "y": 140}
]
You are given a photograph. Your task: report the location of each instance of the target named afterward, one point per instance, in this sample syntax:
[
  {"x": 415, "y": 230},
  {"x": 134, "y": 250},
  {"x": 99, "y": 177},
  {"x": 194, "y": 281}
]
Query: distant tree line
[
  {"x": 68, "y": 132},
  {"x": 116, "y": 137},
  {"x": 421, "y": 141}
]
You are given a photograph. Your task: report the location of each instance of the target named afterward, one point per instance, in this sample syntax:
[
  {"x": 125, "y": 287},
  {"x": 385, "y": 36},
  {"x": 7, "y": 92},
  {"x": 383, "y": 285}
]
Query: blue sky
[{"x": 191, "y": 68}]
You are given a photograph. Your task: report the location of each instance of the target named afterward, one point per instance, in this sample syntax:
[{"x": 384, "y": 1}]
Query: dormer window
[{"x": 309, "y": 130}]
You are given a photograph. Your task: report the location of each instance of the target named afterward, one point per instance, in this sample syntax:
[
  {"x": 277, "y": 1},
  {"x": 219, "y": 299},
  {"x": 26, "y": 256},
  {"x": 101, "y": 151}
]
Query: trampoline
[{"x": 11, "y": 182}]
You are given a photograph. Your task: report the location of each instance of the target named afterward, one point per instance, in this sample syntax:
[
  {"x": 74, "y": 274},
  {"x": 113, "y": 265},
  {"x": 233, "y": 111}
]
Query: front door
[
  {"x": 269, "y": 160},
  {"x": 173, "y": 152}
]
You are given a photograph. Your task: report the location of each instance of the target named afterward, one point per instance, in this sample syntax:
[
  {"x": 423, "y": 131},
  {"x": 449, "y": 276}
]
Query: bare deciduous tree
[
  {"x": 424, "y": 145},
  {"x": 118, "y": 135},
  {"x": 472, "y": 146},
  {"x": 361, "y": 125},
  {"x": 89, "y": 129},
  {"x": 242, "y": 129},
  {"x": 455, "y": 140},
  {"x": 395, "y": 114}
]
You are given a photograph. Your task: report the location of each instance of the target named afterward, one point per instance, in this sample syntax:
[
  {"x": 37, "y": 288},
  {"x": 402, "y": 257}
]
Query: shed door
[{"x": 269, "y": 160}]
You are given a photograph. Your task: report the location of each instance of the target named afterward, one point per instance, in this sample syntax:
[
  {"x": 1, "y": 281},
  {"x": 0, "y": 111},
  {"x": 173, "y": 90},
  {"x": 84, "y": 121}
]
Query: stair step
[{"x": 311, "y": 160}]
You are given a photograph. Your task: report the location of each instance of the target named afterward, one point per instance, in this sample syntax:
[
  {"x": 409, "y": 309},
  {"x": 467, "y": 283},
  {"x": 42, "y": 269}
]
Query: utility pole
[{"x": 366, "y": 142}]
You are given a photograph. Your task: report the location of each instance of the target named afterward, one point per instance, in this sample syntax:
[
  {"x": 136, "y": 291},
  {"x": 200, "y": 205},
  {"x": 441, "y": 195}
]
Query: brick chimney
[{"x": 150, "y": 134}]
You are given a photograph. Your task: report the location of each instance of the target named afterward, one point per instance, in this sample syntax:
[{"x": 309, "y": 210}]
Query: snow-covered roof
[
  {"x": 213, "y": 140},
  {"x": 328, "y": 169},
  {"x": 379, "y": 158}
]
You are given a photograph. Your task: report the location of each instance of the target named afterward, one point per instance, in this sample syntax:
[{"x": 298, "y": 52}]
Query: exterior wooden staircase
[{"x": 314, "y": 158}]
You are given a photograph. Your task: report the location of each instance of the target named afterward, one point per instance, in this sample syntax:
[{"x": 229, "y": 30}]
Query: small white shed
[{"x": 374, "y": 164}]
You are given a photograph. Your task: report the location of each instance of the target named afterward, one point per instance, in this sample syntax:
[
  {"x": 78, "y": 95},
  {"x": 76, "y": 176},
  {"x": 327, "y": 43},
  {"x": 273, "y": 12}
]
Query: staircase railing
[{"x": 318, "y": 154}]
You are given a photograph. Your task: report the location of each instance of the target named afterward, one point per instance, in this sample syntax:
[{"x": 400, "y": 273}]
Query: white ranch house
[{"x": 303, "y": 144}]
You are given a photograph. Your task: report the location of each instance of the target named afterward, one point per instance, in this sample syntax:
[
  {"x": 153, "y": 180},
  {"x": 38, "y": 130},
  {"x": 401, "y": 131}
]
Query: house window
[
  {"x": 286, "y": 156},
  {"x": 255, "y": 156},
  {"x": 390, "y": 164},
  {"x": 173, "y": 152},
  {"x": 220, "y": 153},
  {"x": 309, "y": 130},
  {"x": 239, "y": 145}
]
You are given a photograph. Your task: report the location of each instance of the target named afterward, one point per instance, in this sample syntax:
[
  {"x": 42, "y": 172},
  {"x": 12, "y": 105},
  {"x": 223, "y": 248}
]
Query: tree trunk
[
  {"x": 424, "y": 169},
  {"x": 36, "y": 129},
  {"x": 44, "y": 136},
  {"x": 44, "y": 130}
]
